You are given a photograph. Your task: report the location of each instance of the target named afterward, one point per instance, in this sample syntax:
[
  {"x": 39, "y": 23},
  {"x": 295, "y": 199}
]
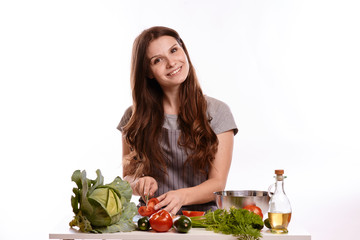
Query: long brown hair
[{"x": 144, "y": 129}]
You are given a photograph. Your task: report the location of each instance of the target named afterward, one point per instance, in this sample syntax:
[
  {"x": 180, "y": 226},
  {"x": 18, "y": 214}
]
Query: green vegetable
[
  {"x": 182, "y": 224},
  {"x": 239, "y": 222},
  {"x": 144, "y": 224},
  {"x": 267, "y": 223},
  {"x": 100, "y": 208}
]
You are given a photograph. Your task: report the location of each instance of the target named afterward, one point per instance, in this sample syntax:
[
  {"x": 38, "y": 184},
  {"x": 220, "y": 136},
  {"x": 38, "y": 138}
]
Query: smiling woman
[
  {"x": 168, "y": 65},
  {"x": 177, "y": 143}
]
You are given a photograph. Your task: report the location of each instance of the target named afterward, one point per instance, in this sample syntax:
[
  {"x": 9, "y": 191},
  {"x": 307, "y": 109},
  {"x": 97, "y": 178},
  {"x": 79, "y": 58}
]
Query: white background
[{"x": 289, "y": 70}]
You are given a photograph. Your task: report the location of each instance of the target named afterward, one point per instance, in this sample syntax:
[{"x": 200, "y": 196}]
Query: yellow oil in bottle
[{"x": 279, "y": 222}]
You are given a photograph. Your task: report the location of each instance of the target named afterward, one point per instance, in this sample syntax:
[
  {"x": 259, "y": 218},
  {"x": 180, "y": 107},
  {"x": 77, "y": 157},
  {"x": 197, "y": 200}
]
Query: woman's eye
[
  {"x": 173, "y": 50},
  {"x": 156, "y": 60}
]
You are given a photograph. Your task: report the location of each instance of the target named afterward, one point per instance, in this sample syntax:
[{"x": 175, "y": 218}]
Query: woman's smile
[{"x": 176, "y": 71}]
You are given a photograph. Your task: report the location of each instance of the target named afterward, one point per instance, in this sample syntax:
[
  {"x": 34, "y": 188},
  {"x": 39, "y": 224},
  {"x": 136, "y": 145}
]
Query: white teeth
[{"x": 174, "y": 72}]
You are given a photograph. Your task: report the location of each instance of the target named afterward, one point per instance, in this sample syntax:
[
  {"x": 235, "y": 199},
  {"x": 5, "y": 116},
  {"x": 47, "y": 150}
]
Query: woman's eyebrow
[
  {"x": 173, "y": 46},
  {"x": 160, "y": 54}
]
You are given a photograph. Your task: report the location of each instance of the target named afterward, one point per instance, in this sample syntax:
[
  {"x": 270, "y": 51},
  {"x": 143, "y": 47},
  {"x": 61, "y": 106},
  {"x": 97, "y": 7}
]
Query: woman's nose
[{"x": 170, "y": 62}]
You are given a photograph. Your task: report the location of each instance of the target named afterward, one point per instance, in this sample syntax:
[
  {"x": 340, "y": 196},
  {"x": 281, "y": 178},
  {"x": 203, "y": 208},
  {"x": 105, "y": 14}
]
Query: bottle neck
[
  {"x": 279, "y": 177},
  {"x": 279, "y": 184}
]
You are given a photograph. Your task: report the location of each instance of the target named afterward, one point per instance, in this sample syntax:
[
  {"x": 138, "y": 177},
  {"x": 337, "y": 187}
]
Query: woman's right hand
[{"x": 144, "y": 186}]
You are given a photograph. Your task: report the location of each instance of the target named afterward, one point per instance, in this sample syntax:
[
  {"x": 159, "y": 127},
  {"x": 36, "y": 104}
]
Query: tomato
[
  {"x": 161, "y": 221},
  {"x": 193, "y": 213},
  {"x": 149, "y": 209},
  {"x": 254, "y": 209}
]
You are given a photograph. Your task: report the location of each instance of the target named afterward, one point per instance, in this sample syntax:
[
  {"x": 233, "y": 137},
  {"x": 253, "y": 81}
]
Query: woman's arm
[
  {"x": 140, "y": 186},
  {"x": 204, "y": 192}
]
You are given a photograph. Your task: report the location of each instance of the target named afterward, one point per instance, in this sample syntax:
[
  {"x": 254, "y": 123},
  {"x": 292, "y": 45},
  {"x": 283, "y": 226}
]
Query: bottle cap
[{"x": 279, "y": 171}]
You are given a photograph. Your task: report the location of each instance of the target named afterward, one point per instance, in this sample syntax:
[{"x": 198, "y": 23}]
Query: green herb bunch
[{"x": 240, "y": 223}]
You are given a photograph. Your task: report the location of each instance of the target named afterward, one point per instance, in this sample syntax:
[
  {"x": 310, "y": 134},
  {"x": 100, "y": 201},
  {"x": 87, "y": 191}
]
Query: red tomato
[
  {"x": 254, "y": 209},
  {"x": 149, "y": 209},
  {"x": 161, "y": 221},
  {"x": 193, "y": 213}
]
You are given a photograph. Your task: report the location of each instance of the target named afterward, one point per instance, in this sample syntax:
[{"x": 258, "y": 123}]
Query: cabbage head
[{"x": 100, "y": 208}]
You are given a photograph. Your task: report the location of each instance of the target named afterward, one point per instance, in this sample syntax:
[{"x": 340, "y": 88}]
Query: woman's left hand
[{"x": 173, "y": 200}]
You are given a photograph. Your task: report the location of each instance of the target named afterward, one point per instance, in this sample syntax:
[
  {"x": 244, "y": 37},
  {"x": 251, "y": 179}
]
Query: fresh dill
[{"x": 240, "y": 223}]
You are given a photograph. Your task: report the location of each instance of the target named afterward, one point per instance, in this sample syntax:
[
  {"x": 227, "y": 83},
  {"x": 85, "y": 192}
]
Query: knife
[{"x": 146, "y": 199}]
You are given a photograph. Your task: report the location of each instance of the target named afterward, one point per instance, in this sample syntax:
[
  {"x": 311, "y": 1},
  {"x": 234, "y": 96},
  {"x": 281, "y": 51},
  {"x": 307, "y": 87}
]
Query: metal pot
[{"x": 240, "y": 199}]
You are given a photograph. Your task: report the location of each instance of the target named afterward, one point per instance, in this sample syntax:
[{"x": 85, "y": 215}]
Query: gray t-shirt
[{"x": 180, "y": 176}]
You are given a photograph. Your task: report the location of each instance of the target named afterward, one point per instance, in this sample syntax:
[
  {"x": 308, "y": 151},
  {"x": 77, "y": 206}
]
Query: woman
[{"x": 177, "y": 143}]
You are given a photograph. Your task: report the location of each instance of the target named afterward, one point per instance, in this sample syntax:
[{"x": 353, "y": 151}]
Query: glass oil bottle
[{"x": 279, "y": 206}]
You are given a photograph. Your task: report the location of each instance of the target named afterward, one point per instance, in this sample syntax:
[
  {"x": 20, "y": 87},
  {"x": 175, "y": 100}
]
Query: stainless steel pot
[{"x": 240, "y": 199}]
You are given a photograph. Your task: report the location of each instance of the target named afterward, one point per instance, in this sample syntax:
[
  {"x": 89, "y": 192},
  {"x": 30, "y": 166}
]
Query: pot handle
[{"x": 269, "y": 190}]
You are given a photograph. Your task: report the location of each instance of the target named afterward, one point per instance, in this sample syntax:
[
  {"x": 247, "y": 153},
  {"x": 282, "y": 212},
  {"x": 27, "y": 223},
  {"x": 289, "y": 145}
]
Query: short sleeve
[
  {"x": 222, "y": 119},
  {"x": 125, "y": 119}
]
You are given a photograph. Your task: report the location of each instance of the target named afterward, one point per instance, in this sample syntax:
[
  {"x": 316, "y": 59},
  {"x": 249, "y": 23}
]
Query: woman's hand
[
  {"x": 144, "y": 186},
  {"x": 173, "y": 200}
]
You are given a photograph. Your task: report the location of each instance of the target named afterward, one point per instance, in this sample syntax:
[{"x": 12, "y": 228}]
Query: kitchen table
[{"x": 66, "y": 233}]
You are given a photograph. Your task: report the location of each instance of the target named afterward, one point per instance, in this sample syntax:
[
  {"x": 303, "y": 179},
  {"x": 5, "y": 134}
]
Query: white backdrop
[{"x": 289, "y": 70}]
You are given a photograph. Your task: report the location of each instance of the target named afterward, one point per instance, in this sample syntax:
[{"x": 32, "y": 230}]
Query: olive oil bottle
[{"x": 279, "y": 205}]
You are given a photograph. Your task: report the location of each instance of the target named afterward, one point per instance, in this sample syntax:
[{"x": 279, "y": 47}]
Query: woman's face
[{"x": 168, "y": 62}]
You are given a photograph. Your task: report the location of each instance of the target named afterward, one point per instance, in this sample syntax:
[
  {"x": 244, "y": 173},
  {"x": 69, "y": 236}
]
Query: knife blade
[{"x": 146, "y": 199}]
